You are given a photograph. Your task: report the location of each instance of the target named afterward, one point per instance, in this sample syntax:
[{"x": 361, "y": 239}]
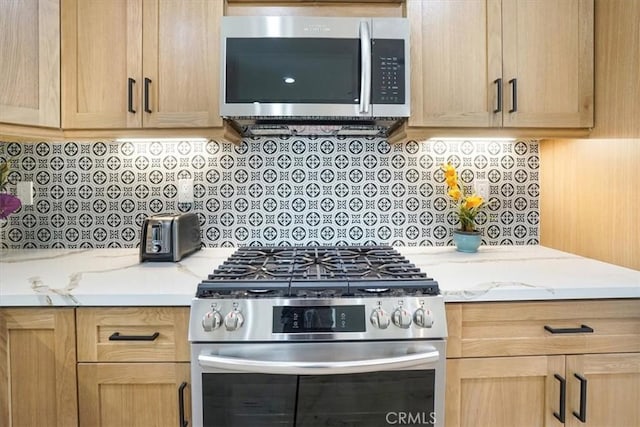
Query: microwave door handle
[
  {"x": 317, "y": 368},
  {"x": 365, "y": 67}
]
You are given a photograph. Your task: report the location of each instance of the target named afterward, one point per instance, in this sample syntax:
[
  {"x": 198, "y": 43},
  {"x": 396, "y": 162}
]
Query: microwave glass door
[{"x": 292, "y": 70}]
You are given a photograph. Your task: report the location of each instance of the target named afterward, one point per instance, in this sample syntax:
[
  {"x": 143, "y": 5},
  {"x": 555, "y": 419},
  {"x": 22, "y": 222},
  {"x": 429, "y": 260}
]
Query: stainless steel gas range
[{"x": 315, "y": 336}]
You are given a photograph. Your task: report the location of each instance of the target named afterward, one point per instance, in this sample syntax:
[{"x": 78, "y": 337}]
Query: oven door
[{"x": 311, "y": 384}]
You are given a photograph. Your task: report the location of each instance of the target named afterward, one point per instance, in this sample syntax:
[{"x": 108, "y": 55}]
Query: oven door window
[
  {"x": 292, "y": 70},
  {"x": 248, "y": 400},
  {"x": 371, "y": 399}
]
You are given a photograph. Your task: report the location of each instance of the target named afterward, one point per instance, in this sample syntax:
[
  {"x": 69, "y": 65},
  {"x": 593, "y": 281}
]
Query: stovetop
[{"x": 316, "y": 271}]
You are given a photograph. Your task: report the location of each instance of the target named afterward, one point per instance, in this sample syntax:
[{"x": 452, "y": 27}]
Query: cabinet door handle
[
  {"x": 182, "y": 421},
  {"x": 147, "y": 82},
  {"x": 560, "y": 415},
  {"x": 130, "y": 96},
  {"x": 581, "y": 330},
  {"x": 582, "y": 416},
  {"x": 117, "y": 337},
  {"x": 498, "y": 83},
  {"x": 514, "y": 95}
]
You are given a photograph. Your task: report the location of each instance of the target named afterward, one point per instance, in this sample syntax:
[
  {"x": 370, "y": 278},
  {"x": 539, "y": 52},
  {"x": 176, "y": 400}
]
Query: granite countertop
[{"x": 114, "y": 277}]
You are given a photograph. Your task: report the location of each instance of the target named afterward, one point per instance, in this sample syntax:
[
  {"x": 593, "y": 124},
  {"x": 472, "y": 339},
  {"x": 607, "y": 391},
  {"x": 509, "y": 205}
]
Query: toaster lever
[{"x": 156, "y": 238}]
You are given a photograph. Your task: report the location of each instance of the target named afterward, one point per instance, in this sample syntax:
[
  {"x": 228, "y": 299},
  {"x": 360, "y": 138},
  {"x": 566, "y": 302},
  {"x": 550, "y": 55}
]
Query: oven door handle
[{"x": 318, "y": 368}]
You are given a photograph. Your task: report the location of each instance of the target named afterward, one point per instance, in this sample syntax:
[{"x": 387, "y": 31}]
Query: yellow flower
[
  {"x": 473, "y": 201},
  {"x": 455, "y": 193},
  {"x": 448, "y": 169},
  {"x": 450, "y": 175},
  {"x": 467, "y": 206}
]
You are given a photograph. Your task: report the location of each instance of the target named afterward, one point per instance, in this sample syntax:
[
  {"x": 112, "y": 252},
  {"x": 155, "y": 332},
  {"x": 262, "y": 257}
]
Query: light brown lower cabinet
[
  {"x": 133, "y": 366},
  {"x": 526, "y": 391},
  {"x": 38, "y": 367},
  {"x": 133, "y": 394},
  {"x": 539, "y": 364}
]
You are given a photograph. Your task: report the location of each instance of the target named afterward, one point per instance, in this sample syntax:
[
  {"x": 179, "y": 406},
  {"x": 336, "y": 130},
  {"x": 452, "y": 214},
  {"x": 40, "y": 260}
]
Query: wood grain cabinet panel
[
  {"x": 612, "y": 384},
  {"x": 455, "y": 56},
  {"x": 133, "y": 334},
  {"x": 501, "y": 63},
  {"x": 38, "y": 367},
  {"x": 134, "y": 366},
  {"x": 133, "y": 394},
  {"x": 548, "y": 52},
  {"x": 140, "y": 63},
  {"x": 502, "y": 392},
  {"x": 506, "y": 369},
  {"x": 518, "y": 329},
  {"x": 30, "y": 65}
]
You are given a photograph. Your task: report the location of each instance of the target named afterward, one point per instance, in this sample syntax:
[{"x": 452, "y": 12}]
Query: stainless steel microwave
[{"x": 314, "y": 68}]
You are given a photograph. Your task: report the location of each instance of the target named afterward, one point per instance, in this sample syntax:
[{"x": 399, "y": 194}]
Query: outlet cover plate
[{"x": 185, "y": 190}]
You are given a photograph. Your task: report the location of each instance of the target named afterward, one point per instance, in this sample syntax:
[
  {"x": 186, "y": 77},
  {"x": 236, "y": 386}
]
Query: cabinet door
[
  {"x": 132, "y": 394},
  {"x": 455, "y": 60},
  {"x": 503, "y": 391},
  {"x": 181, "y": 43},
  {"x": 548, "y": 50},
  {"x": 101, "y": 51},
  {"x": 38, "y": 367},
  {"x": 612, "y": 390},
  {"x": 30, "y": 65}
]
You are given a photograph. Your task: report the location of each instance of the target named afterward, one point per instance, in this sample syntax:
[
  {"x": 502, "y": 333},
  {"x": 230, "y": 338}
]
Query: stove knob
[
  {"x": 379, "y": 318},
  {"x": 423, "y": 318},
  {"x": 211, "y": 320},
  {"x": 233, "y": 321},
  {"x": 401, "y": 318}
]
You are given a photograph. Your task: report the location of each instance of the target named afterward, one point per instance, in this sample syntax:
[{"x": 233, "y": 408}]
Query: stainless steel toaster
[{"x": 169, "y": 237}]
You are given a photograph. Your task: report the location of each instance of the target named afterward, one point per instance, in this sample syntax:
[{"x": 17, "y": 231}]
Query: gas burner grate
[{"x": 316, "y": 271}]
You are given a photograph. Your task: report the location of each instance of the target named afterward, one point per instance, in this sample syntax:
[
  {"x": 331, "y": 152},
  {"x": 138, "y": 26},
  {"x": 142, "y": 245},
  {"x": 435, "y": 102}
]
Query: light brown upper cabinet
[
  {"x": 140, "y": 63},
  {"x": 501, "y": 63},
  {"x": 30, "y": 64}
]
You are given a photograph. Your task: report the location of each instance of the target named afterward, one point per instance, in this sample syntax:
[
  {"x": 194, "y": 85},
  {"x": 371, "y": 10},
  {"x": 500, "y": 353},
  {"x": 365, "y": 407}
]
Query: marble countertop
[{"x": 114, "y": 277}]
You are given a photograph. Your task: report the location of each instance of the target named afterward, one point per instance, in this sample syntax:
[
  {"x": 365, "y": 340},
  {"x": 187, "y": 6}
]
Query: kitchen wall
[{"x": 268, "y": 191}]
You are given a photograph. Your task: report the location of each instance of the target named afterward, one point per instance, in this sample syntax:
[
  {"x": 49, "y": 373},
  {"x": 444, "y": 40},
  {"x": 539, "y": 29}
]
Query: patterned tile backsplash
[{"x": 269, "y": 191}]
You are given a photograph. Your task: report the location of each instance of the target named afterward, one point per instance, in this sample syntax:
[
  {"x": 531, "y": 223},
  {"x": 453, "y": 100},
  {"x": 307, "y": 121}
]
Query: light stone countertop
[{"x": 114, "y": 277}]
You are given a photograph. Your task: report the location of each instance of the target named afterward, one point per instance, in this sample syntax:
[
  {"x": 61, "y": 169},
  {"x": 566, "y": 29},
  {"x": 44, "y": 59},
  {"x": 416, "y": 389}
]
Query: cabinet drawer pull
[
  {"x": 117, "y": 337},
  {"x": 182, "y": 421},
  {"x": 147, "y": 82},
  {"x": 514, "y": 95},
  {"x": 130, "y": 96},
  {"x": 581, "y": 330},
  {"x": 560, "y": 415},
  {"x": 498, "y": 83},
  {"x": 582, "y": 416}
]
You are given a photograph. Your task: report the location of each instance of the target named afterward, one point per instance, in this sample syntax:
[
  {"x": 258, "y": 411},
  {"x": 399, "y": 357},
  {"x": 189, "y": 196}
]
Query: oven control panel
[{"x": 306, "y": 319}]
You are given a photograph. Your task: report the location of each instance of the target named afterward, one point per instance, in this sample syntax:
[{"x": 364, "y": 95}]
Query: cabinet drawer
[
  {"x": 533, "y": 328},
  {"x": 135, "y": 334}
]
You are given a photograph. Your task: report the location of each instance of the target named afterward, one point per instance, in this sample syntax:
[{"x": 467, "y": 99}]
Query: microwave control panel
[{"x": 388, "y": 71}]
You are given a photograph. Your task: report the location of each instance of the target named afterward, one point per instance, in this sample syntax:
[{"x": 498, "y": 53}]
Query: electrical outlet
[
  {"x": 25, "y": 192},
  {"x": 482, "y": 188},
  {"x": 185, "y": 190}
]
